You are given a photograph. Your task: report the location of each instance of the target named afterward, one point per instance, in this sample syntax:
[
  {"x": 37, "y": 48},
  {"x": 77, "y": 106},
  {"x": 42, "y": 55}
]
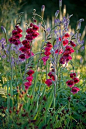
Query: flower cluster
[
  {"x": 29, "y": 78},
  {"x": 72, "y": 82},
  {"x": 51, "y": 74},
  {"x": 68, "y": 49},
  {"x": 47, "y": 52},
  {"x": 32, "y": 32},
  {"x": 26, "y": 48},
  {"x": 16, "y": 35}
]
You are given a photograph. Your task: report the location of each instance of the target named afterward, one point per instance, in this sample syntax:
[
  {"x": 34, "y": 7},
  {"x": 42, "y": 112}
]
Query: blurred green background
[{"x": 76, "y": 7}]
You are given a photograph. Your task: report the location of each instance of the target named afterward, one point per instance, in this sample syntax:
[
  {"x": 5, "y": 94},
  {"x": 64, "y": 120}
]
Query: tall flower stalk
[{"x": 34, "y": 92}]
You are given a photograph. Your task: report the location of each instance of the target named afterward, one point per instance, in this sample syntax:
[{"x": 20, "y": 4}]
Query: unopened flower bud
[
  {"x": 81, "y": 20},
  {"x": 60, "y": 3},
  {"x": 69, "y": 98},
  {"x": 3, "y": 29},
  {"x": 43, "y": 8},
  {"x": 70, "y": 15},
  {"x": 31, "y": 24},
  {"x": 79, "y": 23},
  {"x": 56, "y": 13},
  {"x": 34, "y": 20}
]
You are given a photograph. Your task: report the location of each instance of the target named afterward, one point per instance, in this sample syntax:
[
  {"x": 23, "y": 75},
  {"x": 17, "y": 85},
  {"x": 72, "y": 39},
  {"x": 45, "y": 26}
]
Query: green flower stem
[
  {"x": 60, "y": 12},
  {"x": 11, "y": 87},
  {"x": 8, "y": 99},
  {"x": 30, "y": 48},
  {"x": 54, "y": 101},
  {"x": 85, "y": 51},
  {"x": 38, "y": 96},
  {"x": 36, "y": 75},
  {"x": 47, "y": 70},
  {"x": 55, "y": 82},
  {"x": 72, "y": 65},
  {"x": 69, "y": 104},
  {"x": 24, "y": 76},
  {"x": 6, "y": 38},
  {"x": 57, "y": 58}
]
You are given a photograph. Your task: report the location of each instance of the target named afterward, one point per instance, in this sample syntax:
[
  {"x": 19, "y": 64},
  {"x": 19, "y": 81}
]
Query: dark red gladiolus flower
[
  {"x": 34, "y": 20},
  {"x": 29, "y": 54},
  {"x": 29, "y": 78},
  {"x": 65, "y": 42},
  {"x": 31, "y": 24},
  {"x": 76, "y": 80},
  {"x": 26, "y": 43},
  {"x": 12, "y": 39},
  {"x": 59, "y": 38},
  {"x": 27, "y": 46},
  {"x": 50, "y": 74},
  {"x": 72, "y": 75},
  {"x": 35, "y": 34},
  {"x": 70, "y": 49},
  {"x": 16, "y": 27},
  {"x": 66, "y": 53},
  {"x": 29, "y": 38},
  {"x": 72, "y": 44},
  {"x": 47, "y": 48},
  {"x": 29, "y": 31},
  {"x": 45, "y": 58},
  {"x": 27, "y": 85},
  {"x": 49, "y": 45},
  {"x": 10, "y": 111},
  {"x": 62, "y": 60},
  {"x": 60, "y": 51},
  {"x": 75, "y": 90},
  {"x": 53, "y": 78},
  {"x": 22, "y": 56},
  {"x": 53, "y": 70},
  {"x": 47, "y": 53},
  {"x": 23, "y": 49},
  {"x": 48, "y": 82},
  {"x": 17, "y": 42},
  {"x": 18, "y": 36},
  {"x": 35, "y": 27},
  {"x": 70, "y": 83},
  {"x": 30, "y": 72},
  {"x": 68, "y": 58},
  {"x": 14, "y": 32},
  {"x": 66, "y": 36},
  {"x": 19, "y": 30}
]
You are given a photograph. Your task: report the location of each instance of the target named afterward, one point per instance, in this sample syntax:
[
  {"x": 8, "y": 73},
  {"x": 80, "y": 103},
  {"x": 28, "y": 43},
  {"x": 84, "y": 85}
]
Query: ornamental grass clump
[{"x": 39, "y": 92}]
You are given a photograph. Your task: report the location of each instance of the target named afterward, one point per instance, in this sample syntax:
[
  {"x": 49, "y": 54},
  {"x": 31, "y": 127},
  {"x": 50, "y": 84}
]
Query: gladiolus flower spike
[{"x": 72, "y": 82}]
